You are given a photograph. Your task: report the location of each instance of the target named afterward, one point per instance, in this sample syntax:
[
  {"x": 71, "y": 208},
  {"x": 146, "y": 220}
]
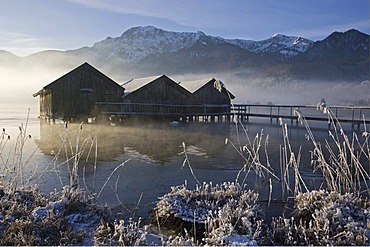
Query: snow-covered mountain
[
  {"x": 342, "y": 56},
  {"x": 145, "y": 51},
  {"x": 286, "y": 46},
  {"x": 139, "y": 42}
]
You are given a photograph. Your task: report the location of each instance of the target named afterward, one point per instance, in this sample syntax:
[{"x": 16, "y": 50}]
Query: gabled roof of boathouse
[
  {"x": 193, "y": 86},
  {"x": 85, "y": 66},
  {"x": 135, "y": 85},
  {"x": 196, "y": 85}
]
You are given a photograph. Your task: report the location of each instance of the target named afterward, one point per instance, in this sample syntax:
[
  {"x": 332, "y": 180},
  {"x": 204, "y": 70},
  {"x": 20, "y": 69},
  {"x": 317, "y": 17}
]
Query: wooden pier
[{"x": 354, "y": 115}]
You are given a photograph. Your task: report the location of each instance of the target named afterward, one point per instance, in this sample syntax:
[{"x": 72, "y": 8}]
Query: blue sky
[{"x": 28, "y": 26}]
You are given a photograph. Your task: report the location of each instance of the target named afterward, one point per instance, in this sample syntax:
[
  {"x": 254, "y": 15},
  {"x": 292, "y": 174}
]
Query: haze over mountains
[{"x": 341, "y": 58}]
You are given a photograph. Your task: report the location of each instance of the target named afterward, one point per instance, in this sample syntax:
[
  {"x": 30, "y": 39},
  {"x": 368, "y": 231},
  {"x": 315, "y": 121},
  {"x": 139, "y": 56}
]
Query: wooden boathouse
[
  {"x": 86, "y": 92},
  {"x": 75, "y": 93}
]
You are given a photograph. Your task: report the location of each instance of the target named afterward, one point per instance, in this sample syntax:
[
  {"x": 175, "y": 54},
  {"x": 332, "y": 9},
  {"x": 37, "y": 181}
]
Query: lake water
[{"x": 152, "y": 156}]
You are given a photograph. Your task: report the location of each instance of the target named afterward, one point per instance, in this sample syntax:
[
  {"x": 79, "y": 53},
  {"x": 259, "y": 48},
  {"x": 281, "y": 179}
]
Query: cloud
[
  {"x": 8, "y": 38},
  {"x": 10, "y": 23},
  {"x": 144, "y": 8},
  {"x": 18, "y": 41},
  {"x": 20, "y": 44},
  {"x": 8, "y": 35},
  {"x": 187, "y": 14},
  {"x": 25, "y": 51}
]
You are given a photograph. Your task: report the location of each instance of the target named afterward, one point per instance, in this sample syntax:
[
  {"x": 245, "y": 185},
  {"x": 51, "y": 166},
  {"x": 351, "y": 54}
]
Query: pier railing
[
  {"x": 162, "y": 109},
  {"x": 243, "y": 112},
  {"x": 344, "y": 114}
]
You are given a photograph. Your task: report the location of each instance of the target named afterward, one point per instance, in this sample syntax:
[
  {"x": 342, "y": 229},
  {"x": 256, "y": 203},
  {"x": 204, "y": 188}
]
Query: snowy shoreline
[{"x": 228, "y": 214}]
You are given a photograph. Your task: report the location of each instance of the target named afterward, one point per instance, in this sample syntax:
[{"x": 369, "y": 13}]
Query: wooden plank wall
[{"x": 77, "y": 93}]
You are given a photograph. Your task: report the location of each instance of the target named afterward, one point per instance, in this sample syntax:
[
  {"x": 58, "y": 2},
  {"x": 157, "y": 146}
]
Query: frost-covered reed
[
  {"x": 13, "y": 163},
  {"x": 343, "y": 158}
]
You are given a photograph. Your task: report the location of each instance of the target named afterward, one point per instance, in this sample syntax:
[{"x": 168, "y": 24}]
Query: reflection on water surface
[{"x": 158, "y": 143}]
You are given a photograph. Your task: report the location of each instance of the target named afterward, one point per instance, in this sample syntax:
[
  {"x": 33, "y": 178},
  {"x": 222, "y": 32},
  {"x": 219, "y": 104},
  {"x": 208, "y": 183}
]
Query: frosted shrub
[
  {"x": 220, "y": 214},
  {"x": 121, "y": 233},
  {"x": 238, "y": 222},
  {"x": 325, "y": 218},
  {"x": 179, "y": 240},
  {"x": 194, "y": 205},
  {"x": 76, "y": 195},
  {"x": 29, "y": 218},
  {"x": 288, "y": 232}
]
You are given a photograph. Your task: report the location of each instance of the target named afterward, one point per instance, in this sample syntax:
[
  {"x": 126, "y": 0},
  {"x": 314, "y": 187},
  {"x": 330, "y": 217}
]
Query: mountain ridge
[
  {"x": 138, "y": 42},
  {"x": 342, "y": 56},
  {"x": 148, "y": 50},
  {"x": 192, "y": 37}
]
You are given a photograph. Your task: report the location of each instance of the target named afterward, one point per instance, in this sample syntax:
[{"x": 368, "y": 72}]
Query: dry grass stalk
[{"x": 341, "y": 164}]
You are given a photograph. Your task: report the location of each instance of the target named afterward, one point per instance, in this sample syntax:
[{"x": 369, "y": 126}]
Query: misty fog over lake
[{"x": 28, "y": 80}]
